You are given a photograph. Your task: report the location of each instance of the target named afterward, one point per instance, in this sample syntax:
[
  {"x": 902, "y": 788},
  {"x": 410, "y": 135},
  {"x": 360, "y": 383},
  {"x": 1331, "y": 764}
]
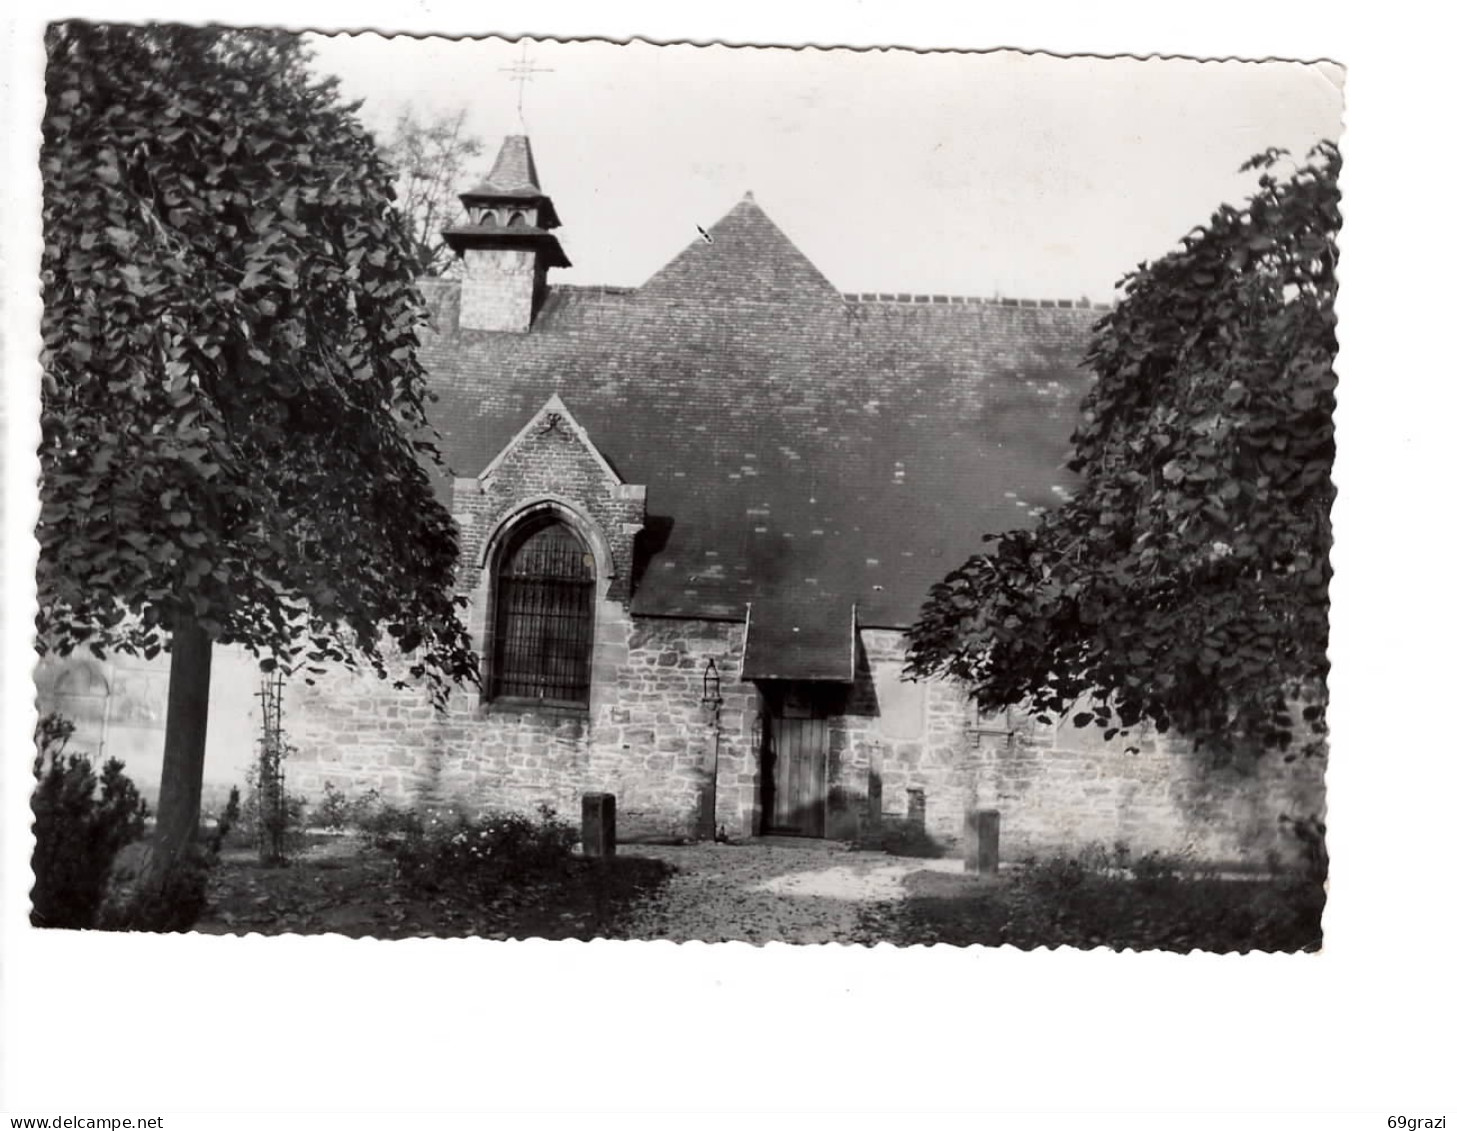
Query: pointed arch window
[{"x": 545, "y": 589}]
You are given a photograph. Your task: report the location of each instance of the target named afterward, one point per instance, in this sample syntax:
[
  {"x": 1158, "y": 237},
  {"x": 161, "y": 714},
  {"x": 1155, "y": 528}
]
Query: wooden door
[{"x": 796, "y": 756}]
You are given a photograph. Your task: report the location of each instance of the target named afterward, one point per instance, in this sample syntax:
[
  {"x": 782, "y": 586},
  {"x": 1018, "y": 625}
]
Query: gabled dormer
[
  {"x": 506, "y": 243},
  {"x": 553, "y": 463}
]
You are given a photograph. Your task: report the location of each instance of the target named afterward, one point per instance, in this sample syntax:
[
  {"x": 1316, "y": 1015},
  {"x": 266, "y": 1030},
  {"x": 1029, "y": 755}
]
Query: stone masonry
[
  {"x": 501, "y": 289},
  {"x": 649, "y": 740}
]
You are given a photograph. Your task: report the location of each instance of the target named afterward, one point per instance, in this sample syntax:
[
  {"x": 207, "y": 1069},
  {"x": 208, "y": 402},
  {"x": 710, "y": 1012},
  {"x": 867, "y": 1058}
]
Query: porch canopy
[{"x": 800, "y": 641}]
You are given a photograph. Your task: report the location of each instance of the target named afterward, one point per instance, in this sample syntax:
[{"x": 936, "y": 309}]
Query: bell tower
[{"x": 506, "y": 244}]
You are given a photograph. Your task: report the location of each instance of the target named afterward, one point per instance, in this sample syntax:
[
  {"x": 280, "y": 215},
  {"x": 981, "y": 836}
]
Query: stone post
[
  {"x": 875, "y": 795},
  {"x": 981, "y": 835},
  {"x": 599, "y": 824},
  {"x": 916, "y": 809}
]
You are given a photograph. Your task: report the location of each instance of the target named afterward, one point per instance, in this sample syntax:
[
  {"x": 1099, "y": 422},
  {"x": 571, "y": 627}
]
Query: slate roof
[
  {"x": 512, "y": 236},
  {"x": 800, "y": 639},
  {"x": 745, "y": 258},
  {"x": 513, "y": 179},
  {"x": 514, "y": 173},
  {"x": 800, "y": 448}
]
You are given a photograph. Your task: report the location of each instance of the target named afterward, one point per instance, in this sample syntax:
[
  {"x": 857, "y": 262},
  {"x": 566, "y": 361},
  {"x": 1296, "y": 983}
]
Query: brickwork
[{"x": 551, "y": 462}]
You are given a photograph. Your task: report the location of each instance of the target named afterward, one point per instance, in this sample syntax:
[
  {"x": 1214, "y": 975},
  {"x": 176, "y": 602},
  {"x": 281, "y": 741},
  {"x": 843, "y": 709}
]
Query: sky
[{"x": 989, "y": 174}]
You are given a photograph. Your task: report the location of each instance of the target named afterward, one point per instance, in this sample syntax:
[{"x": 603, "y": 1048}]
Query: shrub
[
  {"x": 80, "y": 826},
  {"x": 1156, "y": 870},
  {"x": 1310, "y": 833},
  {"x": 1057, "y": 875},
  {"x": 227, "y": 820},
  {"x": 1156, "y": 900},
  {"x": 448, "y": 850},
  {"x": 338, "y": 811},
  {"x": 273, "y": 821}
]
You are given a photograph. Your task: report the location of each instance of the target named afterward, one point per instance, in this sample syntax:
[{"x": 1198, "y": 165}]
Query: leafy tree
[
  {"x": 233, "y": 442},
  {"x": 431, "y": 157},
  {"x": 1185, "y": 583}
]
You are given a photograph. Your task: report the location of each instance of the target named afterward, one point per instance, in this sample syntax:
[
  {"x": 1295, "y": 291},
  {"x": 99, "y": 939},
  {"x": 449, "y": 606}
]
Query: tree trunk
[{"x": 179, "y": 804}]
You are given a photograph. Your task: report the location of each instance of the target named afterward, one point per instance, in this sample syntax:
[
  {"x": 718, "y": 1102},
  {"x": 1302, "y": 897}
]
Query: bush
[
  {"x": 1157, "y": 900},
  {"x": 338, "y": 811},
  {"x": 1109, "y": 897},
  {"x": 224, "y": 822},
  {"x": 1157, "y": 870},
  {"x": 80, "y": 826},
  {"x": 448, "y": 850},
  {"x": 1309, "y": 831},
  {"x": 274, "y": 823}
]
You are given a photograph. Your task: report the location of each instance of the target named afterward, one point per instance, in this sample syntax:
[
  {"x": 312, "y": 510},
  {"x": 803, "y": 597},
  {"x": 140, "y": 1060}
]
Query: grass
[
  {"x": 339, "y": 884},
  {"x": 1050, "y": 905}
]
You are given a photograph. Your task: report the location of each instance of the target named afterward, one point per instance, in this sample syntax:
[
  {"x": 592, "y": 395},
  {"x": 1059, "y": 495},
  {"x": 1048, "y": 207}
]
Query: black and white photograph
[
  {"x": 528, "y": 497},
  {"x": 786, "y": 519}
]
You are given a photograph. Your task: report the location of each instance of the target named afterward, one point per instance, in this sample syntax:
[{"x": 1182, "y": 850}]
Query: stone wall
[
  {"x": 655, "y": 745},
  {"x": 500, "y": 289},
  {"x": 649, "y": 739},
  {"x": 1058, "y": 787}
]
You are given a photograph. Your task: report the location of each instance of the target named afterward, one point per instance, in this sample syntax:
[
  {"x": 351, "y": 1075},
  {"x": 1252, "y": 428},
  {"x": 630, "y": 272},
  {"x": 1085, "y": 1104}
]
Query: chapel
[{"x": 697, "y": 517}]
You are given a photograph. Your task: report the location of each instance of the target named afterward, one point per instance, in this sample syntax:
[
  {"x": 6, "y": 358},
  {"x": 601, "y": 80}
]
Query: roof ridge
[
  {"x": 596, "y": 288},
  {"x": 854, "y": 298},
  {"x": 866, "y": 297}
]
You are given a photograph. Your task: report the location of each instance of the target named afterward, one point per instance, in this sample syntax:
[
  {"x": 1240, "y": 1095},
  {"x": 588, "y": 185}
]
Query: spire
[
  {"x": 511, "y": 188},
  {"x": 506, "y": 243},
  {"x": 514, "y": 172}
]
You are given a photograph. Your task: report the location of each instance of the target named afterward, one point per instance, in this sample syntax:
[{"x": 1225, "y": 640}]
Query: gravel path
[{"x": 807, "y": 892}]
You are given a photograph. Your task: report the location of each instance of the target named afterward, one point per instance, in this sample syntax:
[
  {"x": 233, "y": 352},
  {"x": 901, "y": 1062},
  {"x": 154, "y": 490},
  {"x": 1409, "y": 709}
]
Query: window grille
[{"x": 545, "y": 587}]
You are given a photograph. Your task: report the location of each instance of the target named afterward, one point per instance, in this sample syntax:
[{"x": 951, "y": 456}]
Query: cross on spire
[{"x": 521, "y": 72}]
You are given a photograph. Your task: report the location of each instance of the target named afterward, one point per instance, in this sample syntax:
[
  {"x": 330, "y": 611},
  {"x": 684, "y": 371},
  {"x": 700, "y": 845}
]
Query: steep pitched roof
[
  {"x": 798, "y": 446},
  {"x": 514, "y": 173},
  {"x": 743, "y": 258}
]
